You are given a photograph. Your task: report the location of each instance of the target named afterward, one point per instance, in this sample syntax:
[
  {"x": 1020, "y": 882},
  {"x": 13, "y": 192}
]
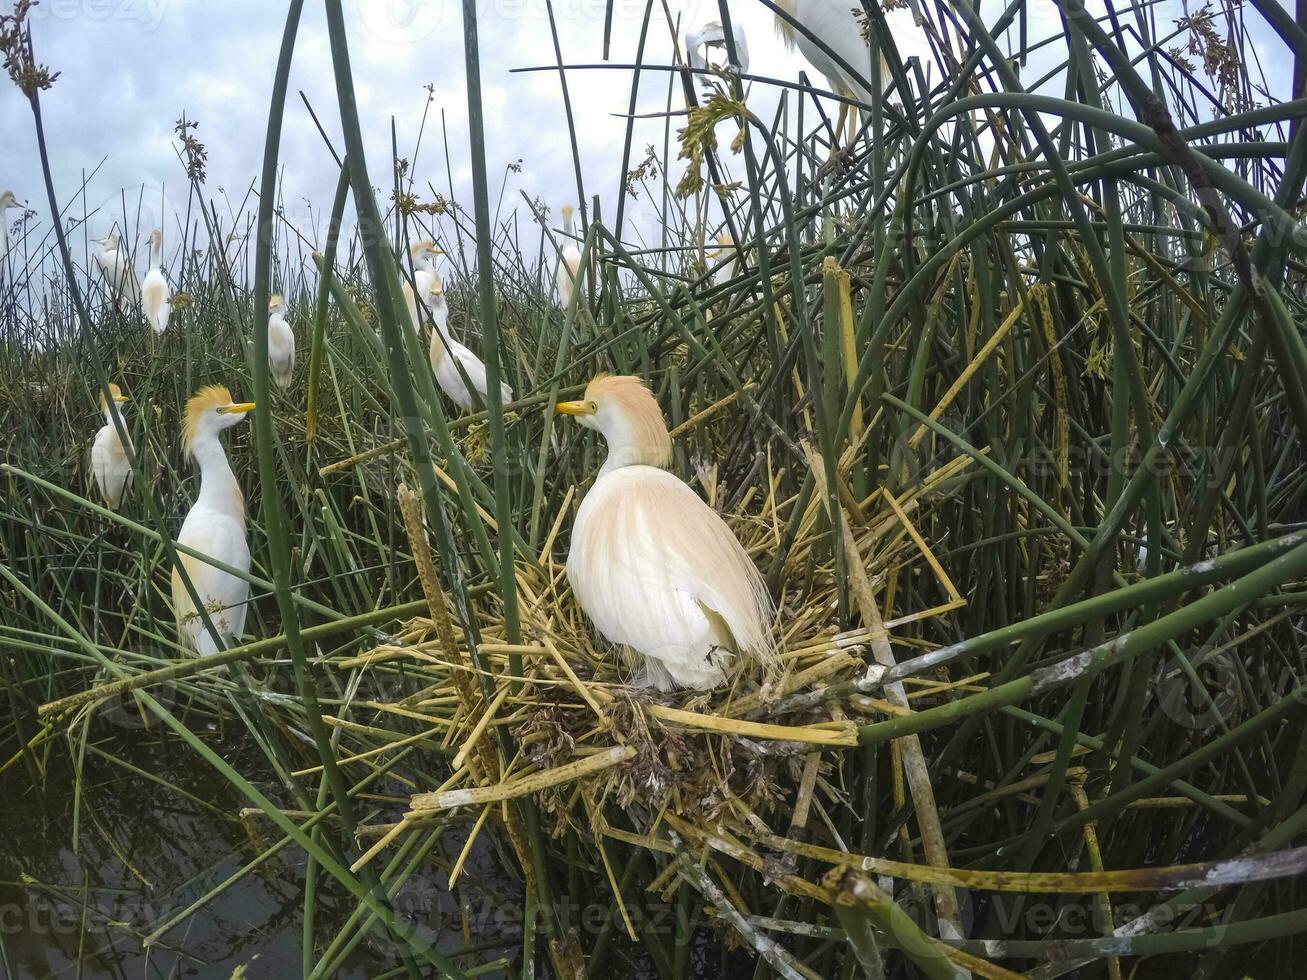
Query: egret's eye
[{"x": 592, "y": 406}]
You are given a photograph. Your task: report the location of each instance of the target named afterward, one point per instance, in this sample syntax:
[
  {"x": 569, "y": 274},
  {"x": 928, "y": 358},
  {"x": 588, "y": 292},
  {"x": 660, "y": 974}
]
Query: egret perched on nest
[
  {"x": 424, "y": 254},
  {"x": 569, "y": 262},
  {"x": 447, "y": 355},
  {"x": 834, "y": 23},
  {"x": 154, "y": 290},
  {"x": 653, "y": 566},
  {"x": 7, "y": 201},
  {"x": 119, "y": 276},
  {"x": 281, "y": 343},
  {"x": 109, "y": 464},
  {"x": 215, "y": 526}
]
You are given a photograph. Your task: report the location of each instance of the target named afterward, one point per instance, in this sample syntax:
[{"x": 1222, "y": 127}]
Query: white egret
[
  {"x": 725, "y": 250},
  {"x": 119, "y": 276},
  {"x": 154, "y": 290},
  {"x": 698, "y": 45},
  {"x": 653, "y": 566},
  {"x": 448, "y": 355},
  {"x": 281, "y": 343},
  {"x": 109, "y": 464},
  {"x": 7, "y": 202},
  {"x": 569, "y": 262},
  {"x": 215, "y": 526},
  {"x": 840, "y": 30}
]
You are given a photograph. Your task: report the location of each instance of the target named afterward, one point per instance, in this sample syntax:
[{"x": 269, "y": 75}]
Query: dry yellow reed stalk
[{"x": 524, "y": 785}]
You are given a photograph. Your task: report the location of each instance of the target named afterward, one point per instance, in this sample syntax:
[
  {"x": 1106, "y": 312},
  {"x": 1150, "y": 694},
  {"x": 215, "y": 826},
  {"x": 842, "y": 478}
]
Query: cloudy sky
[{"x": 129, "y": 68}]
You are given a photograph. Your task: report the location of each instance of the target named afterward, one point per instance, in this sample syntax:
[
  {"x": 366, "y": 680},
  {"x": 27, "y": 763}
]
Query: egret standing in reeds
[
  {"x": 281, "y": 343},
  {"x": 569, "y": 261},
  {"x": 109, "y": 464},
  {"x": 653, "y": 566},
  {"x": 835, "y": 25},
  {"x": 7, "y": 202},
  {"x": 448, "y": 356},
  {"x": 215, "y": 526},
  {"x": 119, "y": 276},
  {"x": 154, "y": 290}
]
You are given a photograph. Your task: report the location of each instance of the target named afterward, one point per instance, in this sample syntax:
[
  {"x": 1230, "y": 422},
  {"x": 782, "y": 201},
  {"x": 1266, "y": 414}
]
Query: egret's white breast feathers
[
  {"x": 110, "y": 466},
  {"x": 281, "y": 349},
  {"x": 659, "y": 571},
  {"x": 154, "y": 300},
  {"x": 834, "y": 22}
]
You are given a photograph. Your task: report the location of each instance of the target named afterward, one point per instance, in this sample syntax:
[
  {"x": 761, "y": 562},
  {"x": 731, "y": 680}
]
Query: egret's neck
[
  {"x": 218, "y": 487},
  {"x": 156, "y": 254},
  {"x": 440, "y": 335},
  {"x": 440, "y": 314},
  {"x": 569, "y": 227},
  {"x": 109, "y": 414},
  {"x": 630, "y": 444}
]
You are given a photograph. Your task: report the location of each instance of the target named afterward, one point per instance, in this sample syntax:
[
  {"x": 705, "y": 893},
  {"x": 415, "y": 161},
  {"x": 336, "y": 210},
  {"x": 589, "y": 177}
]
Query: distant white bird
[
  {"x": 281, "y": 343},
  {"x": 447, "y": 355},
  {"x": 712, "y": 35},
  {"x": 834, "y": 23},
  {"x": 725, "y": 250},
  {"x": 109, "y": 464},
  {"x": 424, "y": 254},
  {"x": 215, "y": 526},
  {"x": 154, "y": 290},
  {"x": 653, "y": 566},
  {"x": 7, "y": 201},
  {"x": 119, "y": 276},
  {"x": 569, "y": 262}
]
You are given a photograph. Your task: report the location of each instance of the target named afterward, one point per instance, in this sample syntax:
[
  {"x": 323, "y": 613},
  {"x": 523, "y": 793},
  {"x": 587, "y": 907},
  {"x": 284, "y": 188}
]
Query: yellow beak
[
  {"x": 237, "y": 407},
  {"x": 120, "y": 399},
  {"x": 574, "y": 408}
]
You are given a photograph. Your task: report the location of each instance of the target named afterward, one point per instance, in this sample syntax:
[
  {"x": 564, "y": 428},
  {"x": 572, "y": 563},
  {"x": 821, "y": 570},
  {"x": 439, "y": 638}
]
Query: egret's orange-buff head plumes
[
  {"x": 423, "y": 246},
  {"x": 624, "y": 411},
  {"x": 156, "y": 238},
  {"x": 203, "y": 402},
  {"x": 117, "y": 394},
  {"x": 211, "y": 409},
  {"x": 275, "y": 302},
  {"x": 7, "y": 200}
]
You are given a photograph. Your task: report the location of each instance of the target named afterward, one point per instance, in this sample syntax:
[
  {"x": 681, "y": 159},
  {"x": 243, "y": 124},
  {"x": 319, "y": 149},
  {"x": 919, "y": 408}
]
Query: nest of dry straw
[{"x": 552, "y": 717}]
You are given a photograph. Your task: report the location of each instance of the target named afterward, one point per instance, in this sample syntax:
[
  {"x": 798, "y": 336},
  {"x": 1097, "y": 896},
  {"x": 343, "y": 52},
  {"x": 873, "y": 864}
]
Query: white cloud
[{"x": 129, "y": 68}]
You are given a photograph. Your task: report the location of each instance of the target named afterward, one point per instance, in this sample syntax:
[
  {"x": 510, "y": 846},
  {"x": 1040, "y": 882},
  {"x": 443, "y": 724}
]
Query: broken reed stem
[
  {"x": 483, "y": 762},
  {"x": 485, "y": 765},
  {"x": 914, "y": 759}
]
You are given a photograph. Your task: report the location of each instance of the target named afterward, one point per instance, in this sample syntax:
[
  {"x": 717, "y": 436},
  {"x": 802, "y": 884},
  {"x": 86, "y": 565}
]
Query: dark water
[
  {"x": 83, "y": 881},
  {"x": 143, "y": 852}
]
